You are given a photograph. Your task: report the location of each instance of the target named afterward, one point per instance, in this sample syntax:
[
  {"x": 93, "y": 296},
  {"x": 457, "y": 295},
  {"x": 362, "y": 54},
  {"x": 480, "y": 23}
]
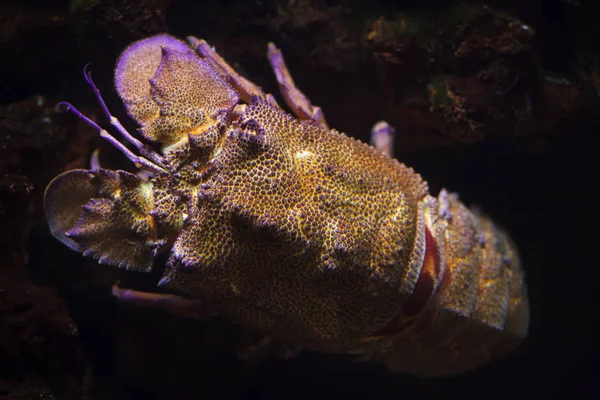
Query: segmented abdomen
[{"x": 470, "y": 302}]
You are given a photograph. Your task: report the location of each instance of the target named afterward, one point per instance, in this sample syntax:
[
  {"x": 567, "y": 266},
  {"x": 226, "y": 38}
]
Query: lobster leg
[
  {"x": 141, "y": 147},
  {"x": 140, "y": 162},
  {"x": 382, "y": 137},
  {"x": 171, "y": 303},
  {"x": 294, "y": 98},
  {"x": 95, "y": 165},
  {"x": 245, "y": 88}
]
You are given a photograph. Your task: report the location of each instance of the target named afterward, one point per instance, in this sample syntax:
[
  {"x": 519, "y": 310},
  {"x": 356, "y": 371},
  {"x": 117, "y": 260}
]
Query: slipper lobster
[{"x": 286, "y": 226}]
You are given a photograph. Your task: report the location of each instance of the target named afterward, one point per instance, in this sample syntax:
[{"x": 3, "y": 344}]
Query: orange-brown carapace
[{"x": 286, "y": 226}]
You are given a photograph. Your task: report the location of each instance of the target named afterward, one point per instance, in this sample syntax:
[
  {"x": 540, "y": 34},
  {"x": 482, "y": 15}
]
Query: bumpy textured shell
[{"x": 299, "y": 232}]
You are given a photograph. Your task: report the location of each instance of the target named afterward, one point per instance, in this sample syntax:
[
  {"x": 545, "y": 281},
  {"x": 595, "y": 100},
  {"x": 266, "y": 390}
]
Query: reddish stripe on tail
[{"x": 424, "y": 290}]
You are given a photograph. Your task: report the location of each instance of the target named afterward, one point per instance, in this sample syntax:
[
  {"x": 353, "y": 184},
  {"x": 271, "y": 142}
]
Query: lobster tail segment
[{"x": 466, "y": 310}]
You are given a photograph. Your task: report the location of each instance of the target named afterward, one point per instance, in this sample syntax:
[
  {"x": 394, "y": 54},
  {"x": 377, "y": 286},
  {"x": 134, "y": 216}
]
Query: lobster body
[{"x": 289, "y": 228}]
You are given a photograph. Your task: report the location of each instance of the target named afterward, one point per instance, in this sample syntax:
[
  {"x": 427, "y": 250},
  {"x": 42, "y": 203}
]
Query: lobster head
[{"x": 114, "y": 216}]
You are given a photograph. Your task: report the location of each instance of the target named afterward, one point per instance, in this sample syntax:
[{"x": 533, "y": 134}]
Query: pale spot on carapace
[{"x": 303, "y": 154}]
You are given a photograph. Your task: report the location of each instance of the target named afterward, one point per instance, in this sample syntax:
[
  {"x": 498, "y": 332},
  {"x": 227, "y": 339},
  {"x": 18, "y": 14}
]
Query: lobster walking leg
[
  {"x": 294, "y": 98},
  {"x": 382, "y": 137},
  {"x": 171, "y": 303},
  {"x": 245, "y": 88}
]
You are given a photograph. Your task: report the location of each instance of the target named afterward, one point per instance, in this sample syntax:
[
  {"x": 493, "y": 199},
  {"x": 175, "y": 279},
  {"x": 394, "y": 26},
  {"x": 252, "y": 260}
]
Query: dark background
[{"x": 511, "y": 126}]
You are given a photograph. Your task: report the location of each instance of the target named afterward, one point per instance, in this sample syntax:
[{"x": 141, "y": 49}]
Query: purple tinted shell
[{"x": 138, "y": 64}]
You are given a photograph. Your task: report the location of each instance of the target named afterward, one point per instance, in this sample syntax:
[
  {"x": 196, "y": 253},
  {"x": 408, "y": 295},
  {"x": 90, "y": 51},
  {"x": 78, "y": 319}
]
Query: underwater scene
[{"x": 298, "y": 199}]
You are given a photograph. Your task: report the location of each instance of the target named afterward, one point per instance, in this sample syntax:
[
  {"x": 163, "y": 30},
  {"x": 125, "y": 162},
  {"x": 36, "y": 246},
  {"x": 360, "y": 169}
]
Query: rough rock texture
[{"x": 498, "y": 101}]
